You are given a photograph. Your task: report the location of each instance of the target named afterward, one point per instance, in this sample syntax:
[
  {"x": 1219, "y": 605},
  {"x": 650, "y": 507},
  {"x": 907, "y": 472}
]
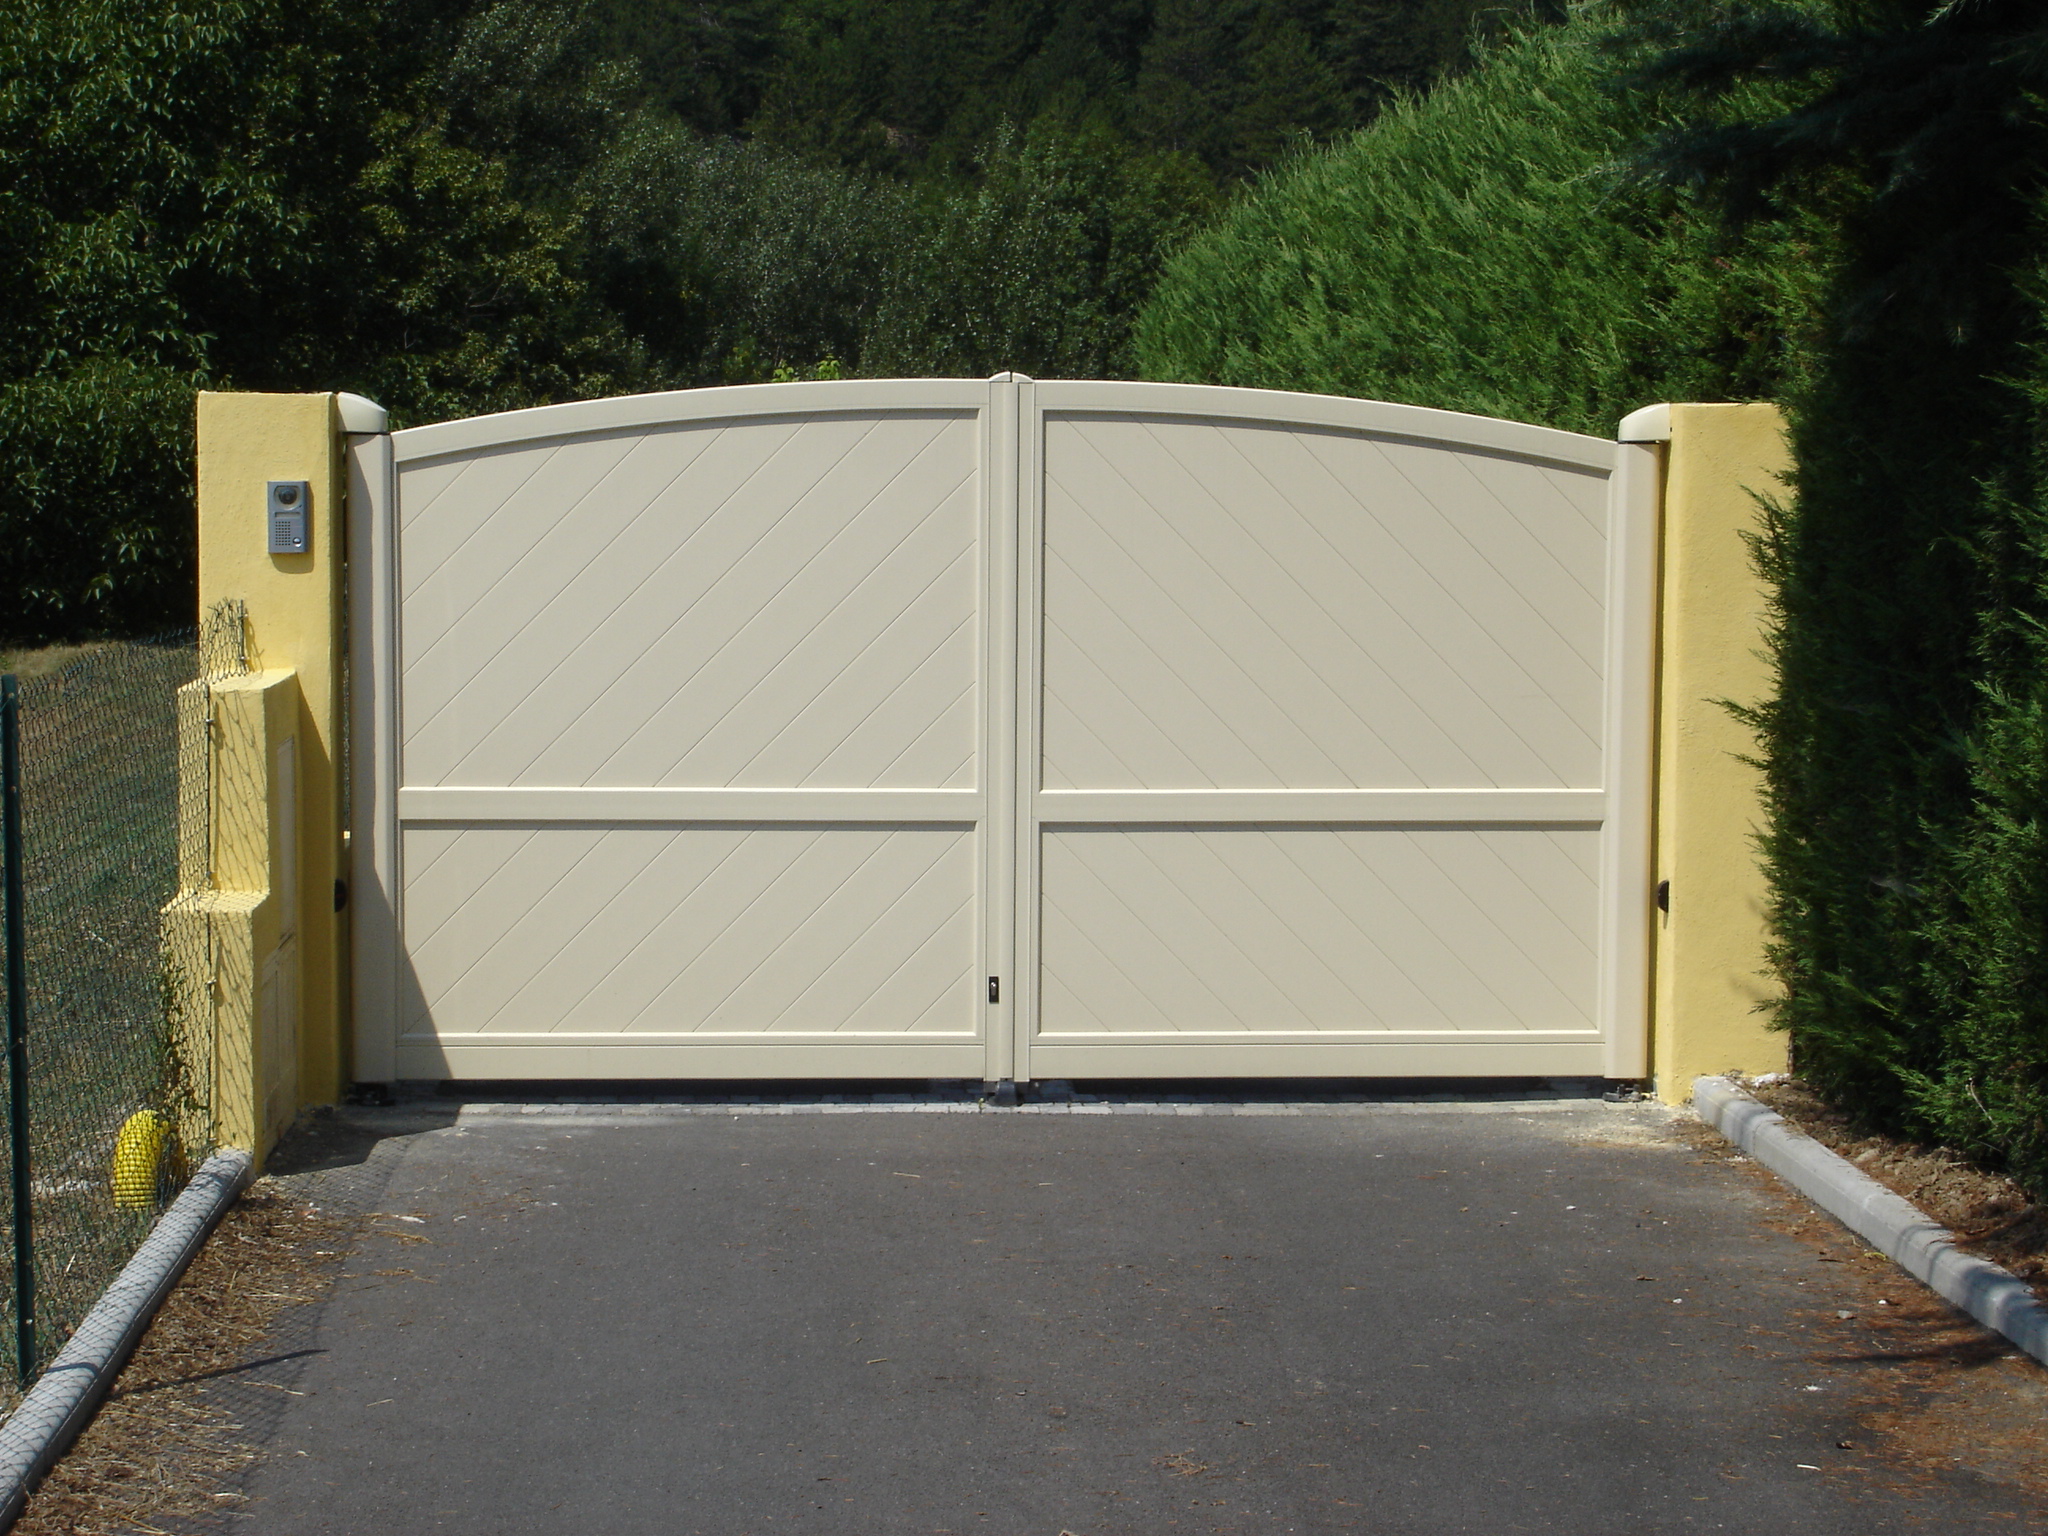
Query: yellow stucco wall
[
  {"x": 1708, "y": 951},
  {"x": 294, "y": 609}
]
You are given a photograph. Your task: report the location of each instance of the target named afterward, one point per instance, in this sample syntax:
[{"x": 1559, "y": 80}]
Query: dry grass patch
[
  {"x": 162, "y": 1447},
  {"x": 43, "y": 660}
]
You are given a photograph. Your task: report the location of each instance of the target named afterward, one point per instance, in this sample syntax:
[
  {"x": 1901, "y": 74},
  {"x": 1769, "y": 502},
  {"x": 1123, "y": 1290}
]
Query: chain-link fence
[{"x": 116, "y": 1085}]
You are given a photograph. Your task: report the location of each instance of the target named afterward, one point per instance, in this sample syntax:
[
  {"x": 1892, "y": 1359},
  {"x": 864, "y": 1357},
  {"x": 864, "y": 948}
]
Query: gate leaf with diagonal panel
[{"x": 999, "y": 729}]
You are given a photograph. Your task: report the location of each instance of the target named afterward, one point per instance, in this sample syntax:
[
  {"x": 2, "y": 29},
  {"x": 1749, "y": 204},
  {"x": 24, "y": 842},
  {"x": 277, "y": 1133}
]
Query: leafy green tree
[
  {"x": 1383, "y": 50},
  {"x": 240, "y": 193},
  {"x": 737, "y": 262},
  {"x": 1043, "y": 267},
  {"x": 708, "y": 62},
  {"x": 868, "y": 86},
  {"x": 1233, "y": 83},
  {"x": 1293, "y": 92},
  {"x": 733, "y": 260},
  {"x": 95, "y": 500}
]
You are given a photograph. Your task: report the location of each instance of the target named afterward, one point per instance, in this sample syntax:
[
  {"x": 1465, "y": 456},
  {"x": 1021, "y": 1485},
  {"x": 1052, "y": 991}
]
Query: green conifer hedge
[{"x": 1906, "y": 751}]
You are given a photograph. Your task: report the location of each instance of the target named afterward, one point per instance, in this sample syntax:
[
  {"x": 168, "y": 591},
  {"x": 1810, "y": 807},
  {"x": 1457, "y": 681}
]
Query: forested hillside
[
  {"x": 458, "y": 206},
  {"x": 911, "y": 86}
]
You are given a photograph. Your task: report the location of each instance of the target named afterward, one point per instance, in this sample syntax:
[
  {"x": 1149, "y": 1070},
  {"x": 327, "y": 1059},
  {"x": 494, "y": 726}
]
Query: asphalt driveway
[{"x": 1490, "y": 1317}]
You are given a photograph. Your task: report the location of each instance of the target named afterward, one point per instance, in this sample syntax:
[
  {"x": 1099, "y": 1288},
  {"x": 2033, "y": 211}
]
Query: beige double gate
[{"x": 1001, "y": 729}]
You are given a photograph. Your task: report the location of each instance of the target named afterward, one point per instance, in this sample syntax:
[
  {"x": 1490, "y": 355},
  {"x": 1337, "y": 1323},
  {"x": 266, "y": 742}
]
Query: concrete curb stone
[
  {"x": 1926, "y": 1250},
  {"x": 66, "y": 1395}
]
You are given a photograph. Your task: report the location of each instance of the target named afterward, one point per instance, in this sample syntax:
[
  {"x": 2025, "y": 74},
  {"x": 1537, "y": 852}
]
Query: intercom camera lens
[{"x": 287, "y": 494}]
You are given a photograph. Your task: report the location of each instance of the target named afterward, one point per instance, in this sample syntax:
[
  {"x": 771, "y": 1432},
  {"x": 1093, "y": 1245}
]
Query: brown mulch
[
  {"x": 163, "y": 1447},
  {"x": 1990, "y": 1215}
]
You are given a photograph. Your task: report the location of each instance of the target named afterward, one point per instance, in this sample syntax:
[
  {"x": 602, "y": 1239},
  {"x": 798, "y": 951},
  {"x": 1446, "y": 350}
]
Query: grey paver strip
[{"x": 601, "y": 1113}]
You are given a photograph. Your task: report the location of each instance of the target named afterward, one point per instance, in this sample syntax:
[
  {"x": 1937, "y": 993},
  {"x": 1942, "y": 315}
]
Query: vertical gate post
[
  {"x": 255, "y": 450},
  {"x": 1710, "y": 929}
]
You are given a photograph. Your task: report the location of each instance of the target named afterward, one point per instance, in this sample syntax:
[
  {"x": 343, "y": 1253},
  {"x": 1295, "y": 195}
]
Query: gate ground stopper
[{"x": 1002, "y": 1094}]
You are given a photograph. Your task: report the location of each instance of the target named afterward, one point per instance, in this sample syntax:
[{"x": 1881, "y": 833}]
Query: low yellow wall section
[{"x": 231, "y": 935}]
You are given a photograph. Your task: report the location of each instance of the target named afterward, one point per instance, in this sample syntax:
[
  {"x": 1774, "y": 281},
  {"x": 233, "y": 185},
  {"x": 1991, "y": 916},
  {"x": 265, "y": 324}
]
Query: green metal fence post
[{"x": 17, "y": 1032}]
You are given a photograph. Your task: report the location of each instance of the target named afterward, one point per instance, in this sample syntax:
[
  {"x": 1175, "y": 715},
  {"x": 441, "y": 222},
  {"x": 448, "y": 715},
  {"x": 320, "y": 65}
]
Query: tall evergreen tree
[
  {"x": 1383, "y": 48},
  {"x": 1286, "y": 90}
]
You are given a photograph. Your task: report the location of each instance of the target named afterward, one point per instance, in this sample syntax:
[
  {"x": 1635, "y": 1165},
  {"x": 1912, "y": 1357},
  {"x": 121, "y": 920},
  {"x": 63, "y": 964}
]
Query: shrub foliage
[{"x": 1481, "y": 249}]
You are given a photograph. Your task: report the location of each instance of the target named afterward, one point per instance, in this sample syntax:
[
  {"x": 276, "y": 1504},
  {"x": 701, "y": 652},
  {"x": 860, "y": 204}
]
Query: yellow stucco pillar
[
  {"x": 294, "y": 623},
  {"x": 1710, "y": 931}
]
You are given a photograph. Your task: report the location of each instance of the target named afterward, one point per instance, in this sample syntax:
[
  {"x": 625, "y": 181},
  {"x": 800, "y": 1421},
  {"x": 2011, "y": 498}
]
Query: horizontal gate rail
[
  {"x": 1337, "y": 807},
  {"x": 886, "y": 806}
]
